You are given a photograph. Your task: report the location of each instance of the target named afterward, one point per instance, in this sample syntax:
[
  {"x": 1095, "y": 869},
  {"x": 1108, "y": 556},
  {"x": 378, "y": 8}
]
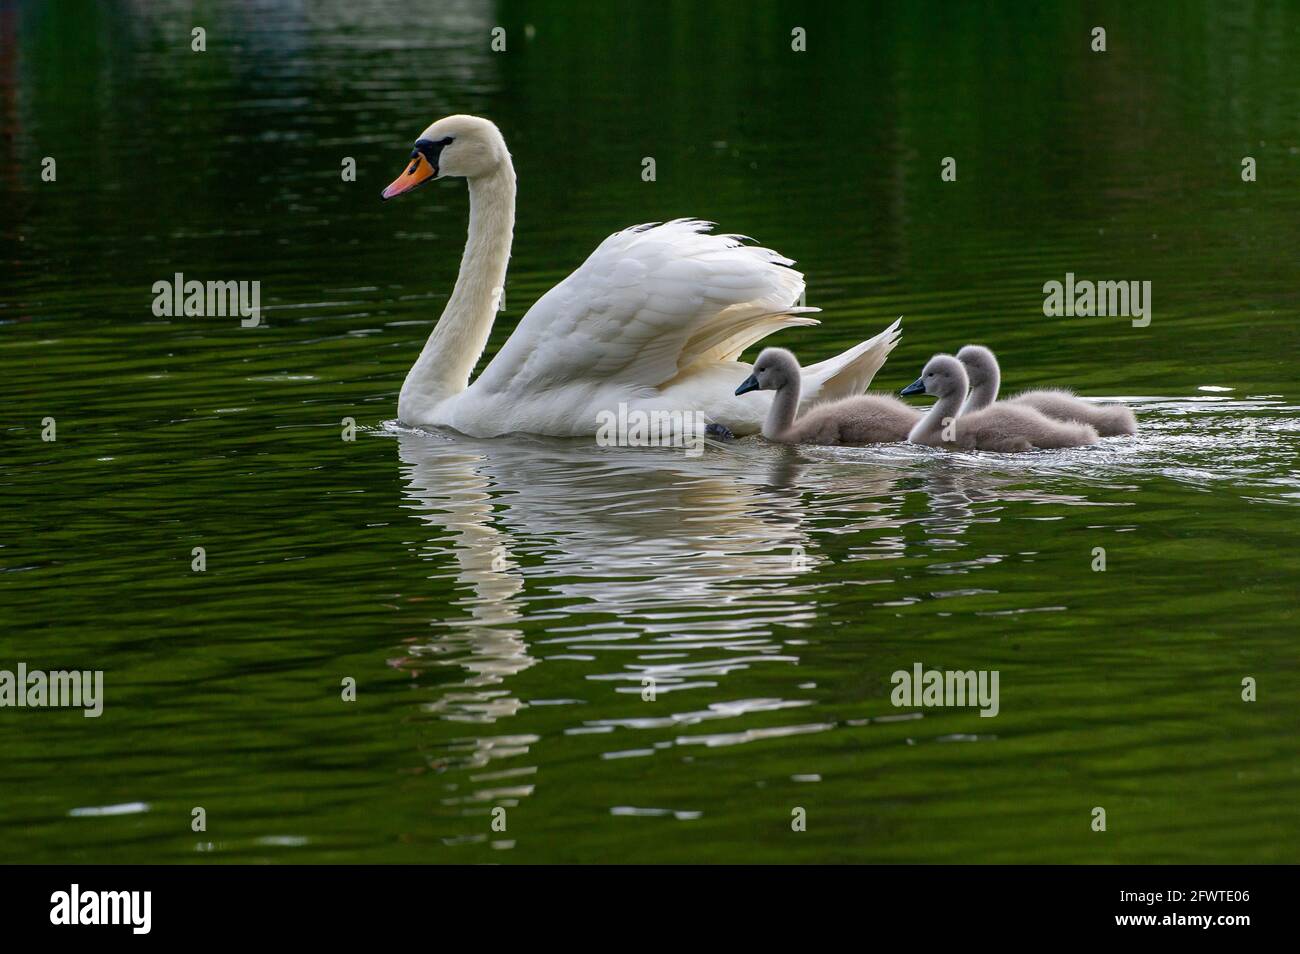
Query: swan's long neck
[
  {"x": 785, "y": 405},
  {"x": 457, "y": 341},
  {"x": 929, "y": 429},
  {"x": 984, "y": 393}
]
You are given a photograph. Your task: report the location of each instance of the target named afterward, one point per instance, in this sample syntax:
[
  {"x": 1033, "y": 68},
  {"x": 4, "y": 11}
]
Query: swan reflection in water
[
  {"x": 648, "y": 564},
  {"x": 658, "y": 551}
]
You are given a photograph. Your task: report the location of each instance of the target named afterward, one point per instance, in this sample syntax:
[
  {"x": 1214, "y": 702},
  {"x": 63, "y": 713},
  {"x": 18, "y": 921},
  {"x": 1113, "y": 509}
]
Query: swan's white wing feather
[
  {"x": 735, "y": 329},
  {"x": 849, "y": 373},
  {"x": 649, "y": 301}
]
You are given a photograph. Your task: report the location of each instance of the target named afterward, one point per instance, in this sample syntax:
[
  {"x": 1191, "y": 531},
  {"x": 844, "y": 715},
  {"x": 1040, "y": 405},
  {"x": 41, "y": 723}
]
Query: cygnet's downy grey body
[
  {"x": 1110, "y": 420},
  {"x": 863, "y": 419},
  {"x": 1000, "y": 427}
]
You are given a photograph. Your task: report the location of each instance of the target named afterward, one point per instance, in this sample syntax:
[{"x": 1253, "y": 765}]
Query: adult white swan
[{"x": 654, "y": 319}]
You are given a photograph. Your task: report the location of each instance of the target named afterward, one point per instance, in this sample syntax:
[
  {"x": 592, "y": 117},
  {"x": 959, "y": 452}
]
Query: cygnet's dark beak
[
  {"x": 916, "y": 387},
  {"x": 749, "y": 384}
]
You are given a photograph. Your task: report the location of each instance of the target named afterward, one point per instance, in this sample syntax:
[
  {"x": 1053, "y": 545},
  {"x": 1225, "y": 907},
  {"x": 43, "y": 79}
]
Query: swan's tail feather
[{"x": 849, "y": 373}]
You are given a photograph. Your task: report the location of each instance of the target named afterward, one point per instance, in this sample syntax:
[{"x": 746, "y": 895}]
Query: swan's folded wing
[{"x": 647, "y": 302}]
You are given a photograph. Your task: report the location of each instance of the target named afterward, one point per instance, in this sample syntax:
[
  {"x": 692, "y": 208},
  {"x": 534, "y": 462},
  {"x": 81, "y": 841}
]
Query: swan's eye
[{"x": 430, "y": 149}]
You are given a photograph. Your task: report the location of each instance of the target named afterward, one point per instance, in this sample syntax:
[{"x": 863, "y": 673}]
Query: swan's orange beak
[{"x": 418, "y": 172}]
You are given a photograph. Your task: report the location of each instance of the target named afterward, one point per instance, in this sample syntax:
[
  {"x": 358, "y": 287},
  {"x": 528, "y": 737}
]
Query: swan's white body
[{"x": 654, "y": 319}]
